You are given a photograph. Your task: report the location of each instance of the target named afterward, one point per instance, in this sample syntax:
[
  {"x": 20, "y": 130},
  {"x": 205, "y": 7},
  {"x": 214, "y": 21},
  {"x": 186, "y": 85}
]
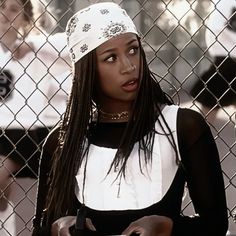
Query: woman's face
[
  {"x": 11, "y": 16},
  {"x": 118, "y": 62}
]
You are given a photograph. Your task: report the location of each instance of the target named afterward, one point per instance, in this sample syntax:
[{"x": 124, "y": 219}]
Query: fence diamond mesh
[{"x": 182, "y": 39}]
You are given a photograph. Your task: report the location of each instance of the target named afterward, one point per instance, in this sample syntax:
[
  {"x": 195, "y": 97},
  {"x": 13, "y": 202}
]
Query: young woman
[
  {"x": 124, "y": 152},
  {"x": 24, "y": 85}
]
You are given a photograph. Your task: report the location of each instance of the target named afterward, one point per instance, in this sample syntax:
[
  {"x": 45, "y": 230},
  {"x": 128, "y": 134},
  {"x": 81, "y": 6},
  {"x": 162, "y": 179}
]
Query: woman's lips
[{"x": 131, "y": 85}]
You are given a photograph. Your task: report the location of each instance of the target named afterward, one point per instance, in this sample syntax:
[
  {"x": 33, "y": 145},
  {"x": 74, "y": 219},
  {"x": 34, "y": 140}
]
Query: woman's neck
[{"x": 113, "y": 117}]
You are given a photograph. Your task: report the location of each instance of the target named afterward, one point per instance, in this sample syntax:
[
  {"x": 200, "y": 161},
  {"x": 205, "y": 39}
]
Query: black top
[{"x": 200, "y": 169}]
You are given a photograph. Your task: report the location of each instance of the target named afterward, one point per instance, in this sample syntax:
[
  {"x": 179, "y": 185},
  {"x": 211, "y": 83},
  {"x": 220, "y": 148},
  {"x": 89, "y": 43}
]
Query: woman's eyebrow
[
  {"x": 114, "y": 48},
  {"x": 107, "y": 51}
]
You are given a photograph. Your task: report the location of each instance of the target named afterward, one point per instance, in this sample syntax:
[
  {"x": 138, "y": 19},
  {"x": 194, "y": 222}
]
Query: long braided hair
[{"x": 74, "y": 133}]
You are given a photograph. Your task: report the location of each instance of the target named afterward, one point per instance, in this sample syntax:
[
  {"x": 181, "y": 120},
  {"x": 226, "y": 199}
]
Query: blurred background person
[
  {"x": 33, "y": 89},
  {"x": 49, "y": 46},
  {"x": 216, "y": 87},
  {"x": 17, "y": 112},
  {"x": 34, "y": 92}
]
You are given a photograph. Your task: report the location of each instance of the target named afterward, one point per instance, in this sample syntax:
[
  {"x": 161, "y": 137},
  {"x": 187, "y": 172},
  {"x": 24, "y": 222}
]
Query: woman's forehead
[{"x": 120, "y": 40}]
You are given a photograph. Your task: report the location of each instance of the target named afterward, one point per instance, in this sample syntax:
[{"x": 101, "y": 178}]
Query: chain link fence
[{"x": 174, "y": 38}]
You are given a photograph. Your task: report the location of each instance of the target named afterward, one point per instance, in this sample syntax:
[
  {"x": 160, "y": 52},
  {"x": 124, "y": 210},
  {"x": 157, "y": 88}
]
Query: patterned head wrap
[{"x": 90, "y": 27}]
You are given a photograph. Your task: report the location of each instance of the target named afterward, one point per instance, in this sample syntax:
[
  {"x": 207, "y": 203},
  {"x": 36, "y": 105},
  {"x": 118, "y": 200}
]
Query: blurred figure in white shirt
[
  {"x": 34, "y": 86},
  {"x": 216, "y": 87}
]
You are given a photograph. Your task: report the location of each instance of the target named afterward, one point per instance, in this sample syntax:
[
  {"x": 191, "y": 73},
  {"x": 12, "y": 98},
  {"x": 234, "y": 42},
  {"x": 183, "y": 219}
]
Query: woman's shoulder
[
  {"x": 185, "y": 114},
  {"x": 184, "y": 119},
  {"x": 191, "y": 125},
  {"x": 51, "y": 141},
  {"x": 169, "y": 110},
  {"x": 190, "y": 118},
  {"x": 49, "y": 147}
]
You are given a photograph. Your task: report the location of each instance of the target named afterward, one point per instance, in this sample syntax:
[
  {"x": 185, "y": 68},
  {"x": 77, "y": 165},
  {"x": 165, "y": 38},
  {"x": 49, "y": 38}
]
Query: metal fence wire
[{"x": 183, "y": 45}]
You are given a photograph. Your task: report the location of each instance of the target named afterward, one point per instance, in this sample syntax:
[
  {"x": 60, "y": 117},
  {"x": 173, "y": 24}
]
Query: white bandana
[{"x": 92, "y": 26}]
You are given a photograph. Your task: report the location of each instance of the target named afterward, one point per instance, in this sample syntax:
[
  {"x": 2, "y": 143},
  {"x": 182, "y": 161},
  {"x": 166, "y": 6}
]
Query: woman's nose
[{"x": 127, "y": 66}]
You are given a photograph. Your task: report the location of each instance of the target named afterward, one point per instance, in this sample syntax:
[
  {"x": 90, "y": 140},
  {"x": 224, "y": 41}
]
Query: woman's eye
[
  {"x": 110, "y": 58},
  {"x": 133, "y": 50}
]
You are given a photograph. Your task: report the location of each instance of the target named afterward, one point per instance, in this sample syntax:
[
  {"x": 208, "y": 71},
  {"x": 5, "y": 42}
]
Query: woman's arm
[
  {"x": 203, "y": 172},
  {"x": 44, "y": 169}
]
